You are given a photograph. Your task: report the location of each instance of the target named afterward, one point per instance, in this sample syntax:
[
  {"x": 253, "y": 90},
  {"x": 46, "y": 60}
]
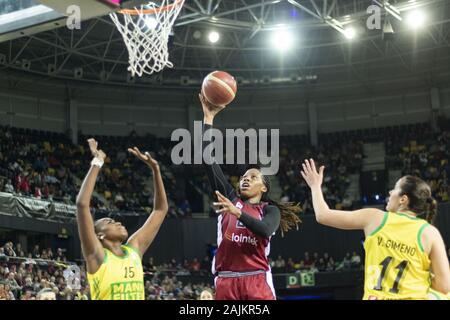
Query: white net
[{"x": 146, "y": 34}]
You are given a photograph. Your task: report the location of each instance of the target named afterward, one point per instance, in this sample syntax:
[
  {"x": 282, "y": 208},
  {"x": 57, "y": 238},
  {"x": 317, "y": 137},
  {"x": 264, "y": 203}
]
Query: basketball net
[{"x": 146, "y": 34}]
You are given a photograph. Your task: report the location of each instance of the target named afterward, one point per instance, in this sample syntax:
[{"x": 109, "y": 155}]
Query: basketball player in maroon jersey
[{"x": 248, "y": 219}]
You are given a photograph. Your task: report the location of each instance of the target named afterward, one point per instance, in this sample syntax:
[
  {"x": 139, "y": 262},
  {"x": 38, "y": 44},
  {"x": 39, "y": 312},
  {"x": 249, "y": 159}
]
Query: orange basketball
[{"x": 219, "y": 88}]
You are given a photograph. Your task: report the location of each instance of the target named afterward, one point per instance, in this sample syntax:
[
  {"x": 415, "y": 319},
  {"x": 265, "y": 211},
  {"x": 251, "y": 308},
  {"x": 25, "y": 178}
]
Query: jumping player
[
  {"x": 114, "y": 270},
  {"x": 248, "y": 219},
  {"x": 405, "y": 254}
]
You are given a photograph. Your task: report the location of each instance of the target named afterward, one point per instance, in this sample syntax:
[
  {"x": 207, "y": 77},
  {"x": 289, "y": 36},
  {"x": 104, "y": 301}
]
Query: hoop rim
[{"x": 136, "y": 12}]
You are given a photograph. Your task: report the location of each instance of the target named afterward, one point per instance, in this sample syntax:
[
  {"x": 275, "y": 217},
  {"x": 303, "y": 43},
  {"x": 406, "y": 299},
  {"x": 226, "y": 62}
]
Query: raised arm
[
  {"x": 215, "y": 174},
  {"x": 92, "y": 248},
  {"x": 143, "y": 238},
  {"x": 364, "y": 219}
]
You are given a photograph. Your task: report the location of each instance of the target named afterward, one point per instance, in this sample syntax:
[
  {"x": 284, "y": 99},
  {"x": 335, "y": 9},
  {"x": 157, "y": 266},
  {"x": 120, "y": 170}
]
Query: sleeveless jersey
[
  {"x": 239, "y": 249},
  {"x": 118, "y": 278},
  {"x": 396, "y": 265}
]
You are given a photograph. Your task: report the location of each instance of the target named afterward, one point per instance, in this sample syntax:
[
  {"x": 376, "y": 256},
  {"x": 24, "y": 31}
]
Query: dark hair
[
  {"x": 421, "y": 201},
  {"x": 289, "y": 210}
]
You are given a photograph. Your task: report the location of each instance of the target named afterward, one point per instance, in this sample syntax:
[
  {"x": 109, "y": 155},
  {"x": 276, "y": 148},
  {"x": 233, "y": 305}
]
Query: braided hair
[{"x": 289, "y": 210}]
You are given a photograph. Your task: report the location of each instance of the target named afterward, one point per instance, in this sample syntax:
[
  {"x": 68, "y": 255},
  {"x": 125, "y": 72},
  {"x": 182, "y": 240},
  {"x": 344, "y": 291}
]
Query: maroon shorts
[{"x": 252, "y": 287}]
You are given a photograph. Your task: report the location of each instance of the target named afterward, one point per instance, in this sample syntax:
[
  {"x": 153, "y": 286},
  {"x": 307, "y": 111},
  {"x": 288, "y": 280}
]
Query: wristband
[{"x": 97, "y": 162}]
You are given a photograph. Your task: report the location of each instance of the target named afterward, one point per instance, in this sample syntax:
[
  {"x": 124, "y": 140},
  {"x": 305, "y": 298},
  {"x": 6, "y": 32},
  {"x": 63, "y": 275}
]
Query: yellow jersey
[
  {"x": 396, "y": 265},
  {"x": 118, "y": 278},
  {"x": 436, "y": 295}
]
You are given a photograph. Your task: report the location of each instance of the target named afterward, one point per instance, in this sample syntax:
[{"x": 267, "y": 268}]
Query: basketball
[{"x": 219, "y": 88}]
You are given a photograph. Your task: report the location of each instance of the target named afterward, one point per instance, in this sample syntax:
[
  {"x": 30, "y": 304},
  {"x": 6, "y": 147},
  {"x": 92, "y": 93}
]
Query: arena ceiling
[{"x": 321, "y": 53}]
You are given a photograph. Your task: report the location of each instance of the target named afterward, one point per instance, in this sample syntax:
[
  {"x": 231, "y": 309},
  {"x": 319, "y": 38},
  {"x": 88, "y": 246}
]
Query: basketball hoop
[{"x": 146, "y": 34}]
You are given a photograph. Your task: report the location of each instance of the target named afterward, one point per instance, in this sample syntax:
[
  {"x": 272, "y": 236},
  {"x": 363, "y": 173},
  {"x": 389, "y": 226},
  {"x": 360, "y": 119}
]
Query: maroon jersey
[{"x": 239, "y": 249}]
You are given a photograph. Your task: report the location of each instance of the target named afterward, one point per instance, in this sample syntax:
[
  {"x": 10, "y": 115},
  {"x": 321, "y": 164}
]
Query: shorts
[{"x": 251, "y": 287}]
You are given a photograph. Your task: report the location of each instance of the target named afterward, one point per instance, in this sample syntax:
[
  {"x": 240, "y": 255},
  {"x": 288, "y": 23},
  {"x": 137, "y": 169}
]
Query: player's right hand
[
  {"x": 93, "y": 145},
  {"x": 209, "y": 110}
]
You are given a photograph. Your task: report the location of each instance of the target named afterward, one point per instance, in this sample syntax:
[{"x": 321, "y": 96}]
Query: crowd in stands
[
  {"x": 316, "y": 263},
  {"x": 47, "y": 165},
  {"x": 16, "y": 251},
  {"x": 29, "y": 275},
  {"x": 424, "y": 153},
  {"x": 30, "y": 165},
  {"x": 23, "y": 275},
  {"x": 194, "y": 267},
  {"x": 416, "y": 149},
  {"x": 340, "y": 158}
]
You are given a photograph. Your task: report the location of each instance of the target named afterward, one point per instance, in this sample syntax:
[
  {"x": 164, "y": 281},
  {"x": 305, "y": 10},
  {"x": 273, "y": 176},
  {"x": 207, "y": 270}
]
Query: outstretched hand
[
  {"x": 209, "y": 110},
  {"x": 225, "y": 205},
  {"x": 312, "y": 177},
  {"x": 93, "y": 145},
  {"x": 145, "y": 157}
]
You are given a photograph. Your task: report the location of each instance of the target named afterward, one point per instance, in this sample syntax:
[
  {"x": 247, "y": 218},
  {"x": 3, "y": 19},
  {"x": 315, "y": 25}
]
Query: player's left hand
[
  {"x": 146, "y": 157},
  {"x": 225, "y": 205},
  {"x": 312, "y": 176}
]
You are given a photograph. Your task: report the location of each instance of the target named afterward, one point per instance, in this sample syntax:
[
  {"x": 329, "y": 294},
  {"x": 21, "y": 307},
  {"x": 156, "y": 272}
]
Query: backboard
[{"x": 25, "y": 17}]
